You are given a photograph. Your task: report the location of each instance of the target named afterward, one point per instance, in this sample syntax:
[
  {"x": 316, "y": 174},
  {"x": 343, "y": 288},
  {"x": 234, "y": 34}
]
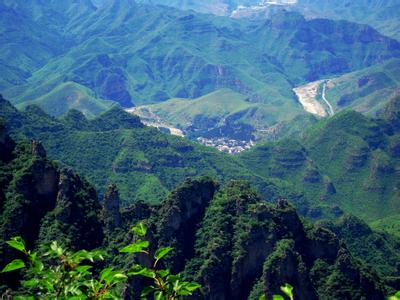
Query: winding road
[{"x": 331, "y": 111}]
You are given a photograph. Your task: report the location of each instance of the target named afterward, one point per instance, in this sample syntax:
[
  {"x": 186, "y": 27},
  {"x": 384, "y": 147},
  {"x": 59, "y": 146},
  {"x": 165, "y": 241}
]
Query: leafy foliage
[
  {"x": 287, "y": 289},
  {"x": 63, "y": 274},
  {"x": 395, "y": 296}
]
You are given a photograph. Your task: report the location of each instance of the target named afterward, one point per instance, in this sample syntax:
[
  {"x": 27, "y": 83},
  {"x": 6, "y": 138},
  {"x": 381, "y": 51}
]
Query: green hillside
[
  {"x": 165, "y": 55},
  {"x": 70, "y": 95},
  {"x": 116, "y": 147},
  {"x": 223, "y": 113},
  {"x": 366, "y": 91},
  {"x": 213, "y": 149},
  {"x": 381, "y": 14},
  {"x": 389, "y": 224},
  {"x": 216, "y": 234},
  {"x": 348, "y": 160}
]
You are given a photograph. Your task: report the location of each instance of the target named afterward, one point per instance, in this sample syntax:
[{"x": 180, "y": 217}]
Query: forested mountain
[
  {"x": 349, "y": 160},
  {"x": 236, "y": 245},
  {"x": 382, "y": 15},
  {"x": 116, "y": 147},
  {"x": 107, "y": 104},
  {"x": 366, "y": 91},
  {"x": 134, "y": 53},
  {"x": 339, "y": 164}
]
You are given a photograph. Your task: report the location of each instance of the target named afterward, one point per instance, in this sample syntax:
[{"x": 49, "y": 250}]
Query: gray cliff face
[
  {"x": 245, "y": 248},
  {"x": 111, "y": 208},
  {"x": 38, "y": 149},
  {"x": 180, "y": 214}
]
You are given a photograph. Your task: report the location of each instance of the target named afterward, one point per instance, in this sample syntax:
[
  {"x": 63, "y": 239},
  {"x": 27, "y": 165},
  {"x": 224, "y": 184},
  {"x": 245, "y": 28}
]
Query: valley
[
  {"x": 310, "y": 94},
  {"x": 307, "y": 95},
  {"x": 149, "y": 118},
  {"x": 187, "y": 149}
]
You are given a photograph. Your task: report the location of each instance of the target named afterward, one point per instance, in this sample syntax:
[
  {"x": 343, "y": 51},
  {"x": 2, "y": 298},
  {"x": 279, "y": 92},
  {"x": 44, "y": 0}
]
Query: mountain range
[
  {"x": 118, "y": 113},
  {"x": 133, "y": 54},
  {"x": 382, "y": 15},
  {"x": 338, "y": 165},
  {"x": 227, "y": 233}
]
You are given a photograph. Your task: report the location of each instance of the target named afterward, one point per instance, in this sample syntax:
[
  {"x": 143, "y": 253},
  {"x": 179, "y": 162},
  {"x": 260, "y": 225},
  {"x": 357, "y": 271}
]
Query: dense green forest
[
  {"x": 226, "y": 238},
  {"x": 234, "y": 243},
  {"x": 116, "y": 147},
  {"x": 330, "y": 170}
]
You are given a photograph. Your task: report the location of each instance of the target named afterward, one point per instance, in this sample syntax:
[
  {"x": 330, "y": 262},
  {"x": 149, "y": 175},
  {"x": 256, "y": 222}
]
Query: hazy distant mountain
[
  {"x": 138, "y": 54},
  {"x": 381, "y": 14},
  {"x": 384, "y": 15}
]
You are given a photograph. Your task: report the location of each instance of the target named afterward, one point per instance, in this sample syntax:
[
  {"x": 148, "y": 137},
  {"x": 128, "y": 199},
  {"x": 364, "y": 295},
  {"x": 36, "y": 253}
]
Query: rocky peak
[
  {"x": 181, "y": 214},
  {"x": 7, "y": 145},
  {"x": 111, "y": 208},
  {"x": 76, "y": 217},
  {"x": 38, "y": 149},
  {"x": 65, "y": 186}
]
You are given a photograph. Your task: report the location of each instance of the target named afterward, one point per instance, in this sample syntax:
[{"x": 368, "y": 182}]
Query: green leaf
[
  {"x": 140, "y": 229},
  {"x": 185, "y": 288},
  {"x": 138, "y": 270},
  {"x": 105, "y": 274},
  {"x": 159, "y": 296},
  {"x": 82, "y": 269},
  {"x": 17, "y": 243},
  {"x": 173, "y": 278},
  {"x": 120, "y": 276},
  {"x": 160, "y": 253},
  {"x": 263, "y": 297},
  {"x": 287, "y": 289},
  {"x": 395, "y": 296},
  {"x": 56, "y": 249},
  {"x": 276, "y": 297},
  {"x": 30, "y": 283},
  {"x": 192, "y": 286},
  {"x": 163, "y": 273},
  {"x": 137, "y": 247},
  {"x": 14, "y": 265},
  {"x": 36, "y": 264}
]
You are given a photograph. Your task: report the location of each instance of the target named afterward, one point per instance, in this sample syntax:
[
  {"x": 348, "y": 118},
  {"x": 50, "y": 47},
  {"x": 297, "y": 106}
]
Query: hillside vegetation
[
  {"x": 223, "y": 113},
  {"x": 67, "y": 96},
  {"x": 138, "y": 54},
  {"x": 366, "y": 91},
  {"x": 216, "y": 233},
  {"x": 381, "y": 14},
  {"x": 348, "y": 160},
  {"x": 116, "y": 147}
]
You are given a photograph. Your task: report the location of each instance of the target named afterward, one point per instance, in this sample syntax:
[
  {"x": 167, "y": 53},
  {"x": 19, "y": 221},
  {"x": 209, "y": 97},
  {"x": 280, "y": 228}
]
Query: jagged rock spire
[
  {"x": 38, "y": 149},
  {"x": 111, "y": 207}
]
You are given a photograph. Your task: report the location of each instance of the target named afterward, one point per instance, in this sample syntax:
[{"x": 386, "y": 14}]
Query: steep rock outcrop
[
  {"x": 42, "y": 203},
  {"x": 111, "y": 208},
  {"x": 180, "y": 215},
  {"x": 7, "y": 145},
  {"x": 38, "y": 149},
  {"x": 75, "y": 219},
  {"x": 245, "y": 247}
]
